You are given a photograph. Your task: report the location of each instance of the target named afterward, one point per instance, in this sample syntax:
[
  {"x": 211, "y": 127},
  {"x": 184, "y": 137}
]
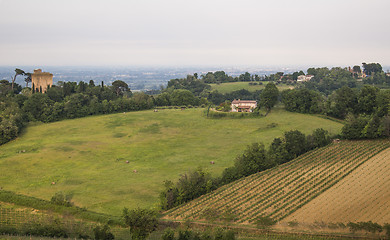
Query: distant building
[
  {"x": 243, "y": 105},
  {"x": 40, "y": 81},
  {"x": 304, "y": 78}
]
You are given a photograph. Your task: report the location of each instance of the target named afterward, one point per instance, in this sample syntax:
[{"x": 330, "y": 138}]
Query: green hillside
[
  {"x": 234, "y": 86},
  {"x": 279, "y": 192},
  {"x": 87, "y": 157}
]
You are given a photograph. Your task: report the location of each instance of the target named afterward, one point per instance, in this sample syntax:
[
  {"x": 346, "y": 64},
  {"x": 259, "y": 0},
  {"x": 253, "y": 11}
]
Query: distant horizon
[{"x": 205, "y": 33}]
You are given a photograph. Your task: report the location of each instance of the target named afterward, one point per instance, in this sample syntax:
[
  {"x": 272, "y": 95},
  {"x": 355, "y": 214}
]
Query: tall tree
[
  {"x": 17, "y": 72},
  {"x": 269, "y": 96},
  {"x": 142, "y": 222},
  {"x": 356, "y": 69},
  {"x": 120, "y": 87},
  {"x": 367, "y": 99},
  {"x": 370, "y": 68}
]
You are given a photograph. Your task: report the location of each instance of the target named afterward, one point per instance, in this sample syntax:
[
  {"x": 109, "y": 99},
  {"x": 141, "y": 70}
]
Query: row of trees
[
  {"x": 255, "y": 158},
  {"x": 366, "y": 111}
]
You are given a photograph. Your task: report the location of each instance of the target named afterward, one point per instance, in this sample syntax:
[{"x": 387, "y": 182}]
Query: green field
[
  {"x": 87, "y": 157},
  {"x": 234, "y": 86}
]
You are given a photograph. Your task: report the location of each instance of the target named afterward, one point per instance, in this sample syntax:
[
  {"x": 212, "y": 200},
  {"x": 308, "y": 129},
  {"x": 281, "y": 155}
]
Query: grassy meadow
[
  {"x": 87, "y": 157},
  {"x": 234, "y": 86}
]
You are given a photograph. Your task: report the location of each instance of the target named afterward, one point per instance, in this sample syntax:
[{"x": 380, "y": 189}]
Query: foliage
[
  {"x": 302, "y": 100},
  {"x": 169, "y": 234},
  {"x": 103, "y": 233},
  {"x": 216, "y": 98},
  {"x": 342, "y": 101},
  {"x": 363, "y": 126},
  {"x": 264, "y": 222},
  {"x": 190, "y": 234},
  {"x": 233, "y": 115},
  {"x": 367, "y": 226},
  {"x": 119, "y": 87},
  {"x": 269, "y": 96},
  {"x": 190, "y": 83},
  {"x": 142, "y": 222},
  {"x": 11, "y": 121},
  {"x": 367, "y": 99},
  {"x": 224, "y": 107},
  {"x": 45, "y": 225},
  {"x": 295, "y": 143},
  {"x": 253, "y": 160},
  {"x": 22, "y": 200},
  {"x": 61, "y": 199},
  {"x": 369, "y": 68},
  {"x": 327, "y": 80},
  {"x": 189, "y": 186}
]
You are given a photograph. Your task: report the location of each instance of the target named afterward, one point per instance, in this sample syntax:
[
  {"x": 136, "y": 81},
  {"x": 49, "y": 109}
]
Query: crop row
[{"x": 282, "y": 190}]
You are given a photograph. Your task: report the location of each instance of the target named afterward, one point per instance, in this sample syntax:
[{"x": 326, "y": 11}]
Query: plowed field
[
  {"x": 362, "y": 196},
  {"x": 281, "y": 191}
]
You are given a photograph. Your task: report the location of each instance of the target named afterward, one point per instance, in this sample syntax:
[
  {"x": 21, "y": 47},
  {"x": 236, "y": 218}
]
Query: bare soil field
[
  {"x": 286, "y": 189},
  {"x": 362, "y": 196}
]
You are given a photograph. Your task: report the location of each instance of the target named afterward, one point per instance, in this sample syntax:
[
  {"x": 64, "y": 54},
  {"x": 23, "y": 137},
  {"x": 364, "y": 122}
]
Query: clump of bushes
[
  {"x": 264, "y": 222},
  {"x": 189, "y": 234},
  {"x": 61, "y": 199},
  {"x": 366, "y": 226},
  {"x": 103, "y": 233},
  {"x": 50, "y": 227}
]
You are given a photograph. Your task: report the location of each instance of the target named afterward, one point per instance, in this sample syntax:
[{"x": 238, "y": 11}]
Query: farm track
[{"x": 281, "y": 191}]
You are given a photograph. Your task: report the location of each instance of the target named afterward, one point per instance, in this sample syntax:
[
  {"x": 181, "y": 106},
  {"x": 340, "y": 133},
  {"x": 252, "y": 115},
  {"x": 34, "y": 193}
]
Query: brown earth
[{"x": 363, "y": 195}]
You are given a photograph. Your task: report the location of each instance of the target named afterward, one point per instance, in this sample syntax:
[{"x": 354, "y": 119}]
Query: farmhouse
[
  {"x": 304, "y": 78},
  {"x": 243, "y": 105},
  {"x": 41, "y": 81}
]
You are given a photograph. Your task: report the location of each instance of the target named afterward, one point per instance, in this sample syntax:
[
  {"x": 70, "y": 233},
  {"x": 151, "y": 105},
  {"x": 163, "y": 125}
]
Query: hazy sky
[{"x": 196, "y": 32}]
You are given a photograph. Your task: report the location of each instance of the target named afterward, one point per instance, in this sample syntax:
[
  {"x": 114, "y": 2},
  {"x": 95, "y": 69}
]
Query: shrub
[
  {"x": 60, "y": 199},
  {"x": 103, "y": 233},
  {"x": 265, "y": 222},
  {"x": 142, "y": 222},
  {"x": 185, "y": 234},
  {"x": 169, "y": 234}
]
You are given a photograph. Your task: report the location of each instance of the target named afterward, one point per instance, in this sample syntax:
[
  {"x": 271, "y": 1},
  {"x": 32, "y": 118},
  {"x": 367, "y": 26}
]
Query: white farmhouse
[
  {"x": 243, "y": 105},
  {"x": 304, "y": 78}
]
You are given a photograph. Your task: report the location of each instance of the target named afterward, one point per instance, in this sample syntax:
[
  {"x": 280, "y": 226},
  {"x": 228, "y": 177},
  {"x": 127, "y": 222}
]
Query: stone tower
[{"x": 40, "y": 81}]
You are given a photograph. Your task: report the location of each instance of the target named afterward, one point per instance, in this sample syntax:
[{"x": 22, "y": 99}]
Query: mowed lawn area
[
  {"x": 234, "y": 86},
  {"x": 87, "y": 157}
]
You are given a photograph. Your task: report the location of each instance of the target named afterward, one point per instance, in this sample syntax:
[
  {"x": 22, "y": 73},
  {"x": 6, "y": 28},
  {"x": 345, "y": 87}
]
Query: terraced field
[{"x": 281, "y": 191}]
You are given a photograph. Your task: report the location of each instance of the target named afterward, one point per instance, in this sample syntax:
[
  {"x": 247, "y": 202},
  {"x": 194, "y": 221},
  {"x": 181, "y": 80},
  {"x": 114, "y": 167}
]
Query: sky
[{"x": 201, "y": 32}]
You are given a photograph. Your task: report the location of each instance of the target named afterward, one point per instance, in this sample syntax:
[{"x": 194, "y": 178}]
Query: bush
[
  {"x": 265, "y": 222},
  {"x": 103, "y": 233},
  {"x": 169, "y": 234},
  {"x": 142, "y": 222},
  {"x": 61, "y": 199},
  {"x": 185, "y": 234}
]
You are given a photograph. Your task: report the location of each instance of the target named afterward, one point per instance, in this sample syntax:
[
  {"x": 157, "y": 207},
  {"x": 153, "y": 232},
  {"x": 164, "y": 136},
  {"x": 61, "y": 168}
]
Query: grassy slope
[
  {"x": 281, "y": 191},
  {"x": 234, "y": 86},
  {"x": 86, "y": 157}
]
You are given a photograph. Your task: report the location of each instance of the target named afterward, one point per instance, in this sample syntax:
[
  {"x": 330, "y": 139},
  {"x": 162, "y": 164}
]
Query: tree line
[
  {"x": 256, "y": 158},
  {"x": 366, "y": 111}
]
